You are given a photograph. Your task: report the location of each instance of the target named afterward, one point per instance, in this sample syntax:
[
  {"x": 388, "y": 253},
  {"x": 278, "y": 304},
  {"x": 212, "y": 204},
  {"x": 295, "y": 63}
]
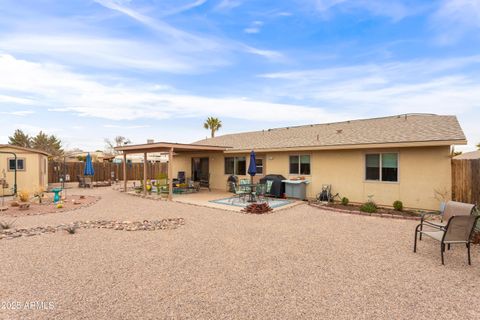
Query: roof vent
[{"x": 150, "y": 141}]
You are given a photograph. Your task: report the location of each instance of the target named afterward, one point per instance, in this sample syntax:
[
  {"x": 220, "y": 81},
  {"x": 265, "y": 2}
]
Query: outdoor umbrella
[
  {"x": 88, "y": 171},
  {"x": 252, "y": 168}
]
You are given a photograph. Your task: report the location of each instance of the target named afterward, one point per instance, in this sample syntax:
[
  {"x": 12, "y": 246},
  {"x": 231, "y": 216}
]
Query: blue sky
[{"x": 93, "y": 69}]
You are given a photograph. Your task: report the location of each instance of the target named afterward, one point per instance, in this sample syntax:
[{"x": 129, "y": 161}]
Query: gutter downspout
[{"x": 15, "y": 174}]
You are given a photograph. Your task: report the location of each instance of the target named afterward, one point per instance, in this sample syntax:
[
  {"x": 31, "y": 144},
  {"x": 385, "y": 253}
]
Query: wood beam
[
  {"x": 145, "y": 163},
  {"x": 124, "y": 172},
  {"x": 170, "y": 175}
]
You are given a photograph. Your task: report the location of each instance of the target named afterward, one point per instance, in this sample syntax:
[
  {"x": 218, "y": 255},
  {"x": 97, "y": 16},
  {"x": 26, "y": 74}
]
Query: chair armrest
[{"x": 425, "y": 214}]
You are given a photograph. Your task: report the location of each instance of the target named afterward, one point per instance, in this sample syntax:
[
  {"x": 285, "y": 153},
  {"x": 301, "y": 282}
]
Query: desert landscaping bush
[
  {"x": 5, "y": 225},
  {"x": 398, "y": 205},
  {"x": 71, "y": 229},
  {"x": 345, "y": 201},
  {"x": 24, "y": 196},
  {"x": 369, "y": 207}
]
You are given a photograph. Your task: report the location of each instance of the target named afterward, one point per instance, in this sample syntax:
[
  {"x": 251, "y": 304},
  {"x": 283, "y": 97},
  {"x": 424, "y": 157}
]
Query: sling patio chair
[
  {"x": 261, "y": 192},
  {"x": 240, "y": 194},
  {"x": 452, "y": 208},
  {"x": 459, "y": 230}
]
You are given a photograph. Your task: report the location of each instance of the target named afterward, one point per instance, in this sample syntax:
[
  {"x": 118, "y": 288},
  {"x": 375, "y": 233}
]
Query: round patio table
[{"x": 252, "y": 195}]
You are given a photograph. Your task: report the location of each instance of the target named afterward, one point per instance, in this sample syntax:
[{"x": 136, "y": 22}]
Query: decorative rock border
[
  {"x": 62, "y": 210},
  {"x": 146, "y": 225},
  {"x": 360, "y": 213}
]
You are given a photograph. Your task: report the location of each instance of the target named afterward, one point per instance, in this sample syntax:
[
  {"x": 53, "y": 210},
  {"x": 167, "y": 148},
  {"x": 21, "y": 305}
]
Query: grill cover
[{"x": 278, "y": 187}]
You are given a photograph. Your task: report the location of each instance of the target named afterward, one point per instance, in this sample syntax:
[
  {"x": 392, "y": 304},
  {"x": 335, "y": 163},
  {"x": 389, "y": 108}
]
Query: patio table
[{"x": 252, "y": 193}]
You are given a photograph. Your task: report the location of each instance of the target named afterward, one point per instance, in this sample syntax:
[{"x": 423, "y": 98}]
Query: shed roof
[{"x": 4, "y": 146}]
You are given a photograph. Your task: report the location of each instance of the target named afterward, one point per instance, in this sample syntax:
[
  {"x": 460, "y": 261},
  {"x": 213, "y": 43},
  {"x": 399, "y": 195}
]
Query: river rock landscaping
[{"x": 172, "y": 223}]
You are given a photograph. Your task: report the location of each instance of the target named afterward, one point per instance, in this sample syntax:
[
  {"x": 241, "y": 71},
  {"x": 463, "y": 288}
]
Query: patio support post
[
  {"x": 145, "y": 163},
  {"x": 124, "y": 172},
  {"x": 170, "y": 174}
]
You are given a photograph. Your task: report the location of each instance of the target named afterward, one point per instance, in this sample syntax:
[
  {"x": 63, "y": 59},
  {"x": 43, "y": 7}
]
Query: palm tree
[{"x": 214, "y": 124}]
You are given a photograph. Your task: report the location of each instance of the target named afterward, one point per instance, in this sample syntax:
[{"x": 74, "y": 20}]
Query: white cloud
[
  {"x": 225, "y": 5},
  {"x": 456, "y": 18},
  {"x": 432, "y": 86},
  {"x": 394, "y": 9},
  {"x": 183, "y": 40},
  {"x": 125, "y": 126},
  {"x": 19, "y": 113},
  {"x": 61, "y": 90},
  {"x": 254, "y": 27},
  {"x": 111, "y": 53}
]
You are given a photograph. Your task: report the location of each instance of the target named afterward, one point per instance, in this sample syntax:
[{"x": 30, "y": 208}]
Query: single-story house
[
  {"x": 404, "y": 157},
  {"x": 32, "y": 168},
  {"x": 473, "y": 155}
]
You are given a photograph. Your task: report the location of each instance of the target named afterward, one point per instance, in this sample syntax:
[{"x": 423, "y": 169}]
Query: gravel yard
[{"x": 300, "y": 262}]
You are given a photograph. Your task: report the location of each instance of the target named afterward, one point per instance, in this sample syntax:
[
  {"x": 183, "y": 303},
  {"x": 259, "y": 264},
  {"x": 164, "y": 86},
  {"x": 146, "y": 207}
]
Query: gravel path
[{"x": 297, "y": 263}]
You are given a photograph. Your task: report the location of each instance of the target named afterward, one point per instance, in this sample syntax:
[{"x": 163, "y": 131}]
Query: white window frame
[
  {"x": 380, "y": 167},
  {"x": 262, "y": 166},
  {"x": 16, "y": 164}
]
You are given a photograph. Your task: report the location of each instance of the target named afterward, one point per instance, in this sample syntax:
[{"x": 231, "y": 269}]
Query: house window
[
  {"x": 259, "y": 165},
  {"x": 300, "y": 164},
  {"x": 381, "y": 167},
  {"x": 236, "y": 166},
  {"x": 229, "y": 165},
  {"x": 20, "y": 164}
]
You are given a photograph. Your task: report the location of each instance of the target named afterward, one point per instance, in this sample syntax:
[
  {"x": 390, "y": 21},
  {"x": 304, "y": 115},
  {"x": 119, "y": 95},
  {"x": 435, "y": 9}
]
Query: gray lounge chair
[{"x": 452, "y": 208}]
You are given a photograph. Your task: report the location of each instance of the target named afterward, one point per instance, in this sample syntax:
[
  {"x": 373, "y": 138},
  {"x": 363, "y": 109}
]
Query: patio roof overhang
[
  {"x": 167, "y": 147},
  {"x": 162, "y": 147}
]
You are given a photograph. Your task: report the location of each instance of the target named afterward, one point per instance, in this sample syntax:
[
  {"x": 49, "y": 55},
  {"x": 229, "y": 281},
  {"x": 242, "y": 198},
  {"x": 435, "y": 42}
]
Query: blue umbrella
[
  {"x": 88, "y": 171},
  {"x": 252, "y": 168}
]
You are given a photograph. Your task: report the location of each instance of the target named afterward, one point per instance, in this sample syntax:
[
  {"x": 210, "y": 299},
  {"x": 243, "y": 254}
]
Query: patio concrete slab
[{"x": 204, "y": 198}]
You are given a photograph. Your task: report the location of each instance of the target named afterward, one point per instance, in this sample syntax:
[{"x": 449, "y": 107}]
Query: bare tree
[{"x": 117, "y": 142}]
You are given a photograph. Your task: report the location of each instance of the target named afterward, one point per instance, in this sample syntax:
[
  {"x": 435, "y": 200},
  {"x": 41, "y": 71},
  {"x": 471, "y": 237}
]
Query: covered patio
[{"x": 171, "y": 149}]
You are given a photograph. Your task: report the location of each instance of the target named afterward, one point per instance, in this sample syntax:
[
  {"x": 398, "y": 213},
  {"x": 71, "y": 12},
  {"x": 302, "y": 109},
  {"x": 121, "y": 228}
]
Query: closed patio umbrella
[
  {"x": 252, "y": 168},
  {"x": 88, "y": 171}
]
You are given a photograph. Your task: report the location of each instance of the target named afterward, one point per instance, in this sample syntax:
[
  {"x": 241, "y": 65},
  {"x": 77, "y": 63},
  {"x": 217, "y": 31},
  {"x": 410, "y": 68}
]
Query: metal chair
[
  {"x": 458, "y": 230},
  {"x": 239, "y": 193},
  {"x": 452, "y": 208}
]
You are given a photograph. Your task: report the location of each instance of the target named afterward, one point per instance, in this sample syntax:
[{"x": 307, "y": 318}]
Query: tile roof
[{"x": 406, "y": 128}]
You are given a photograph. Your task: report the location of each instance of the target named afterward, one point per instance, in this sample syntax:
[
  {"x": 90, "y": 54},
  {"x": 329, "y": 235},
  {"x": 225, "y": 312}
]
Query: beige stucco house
[
  {"x": 32, "y": 168},
  {"x": 405, "y": 157}
]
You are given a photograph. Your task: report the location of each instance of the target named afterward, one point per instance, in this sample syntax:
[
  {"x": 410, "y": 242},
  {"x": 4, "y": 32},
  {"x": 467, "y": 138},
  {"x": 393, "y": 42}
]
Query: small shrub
[
  {"x": 345, "y": 201},
  {"x": 398, "y": 205},
  {"x": 369, "y": 207},
  {"x": 24, "y": 196},
  {"x": 71, "y": 229},
  {"x": 5, "y": 225},
  {"x": 257, "y": 208}
]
